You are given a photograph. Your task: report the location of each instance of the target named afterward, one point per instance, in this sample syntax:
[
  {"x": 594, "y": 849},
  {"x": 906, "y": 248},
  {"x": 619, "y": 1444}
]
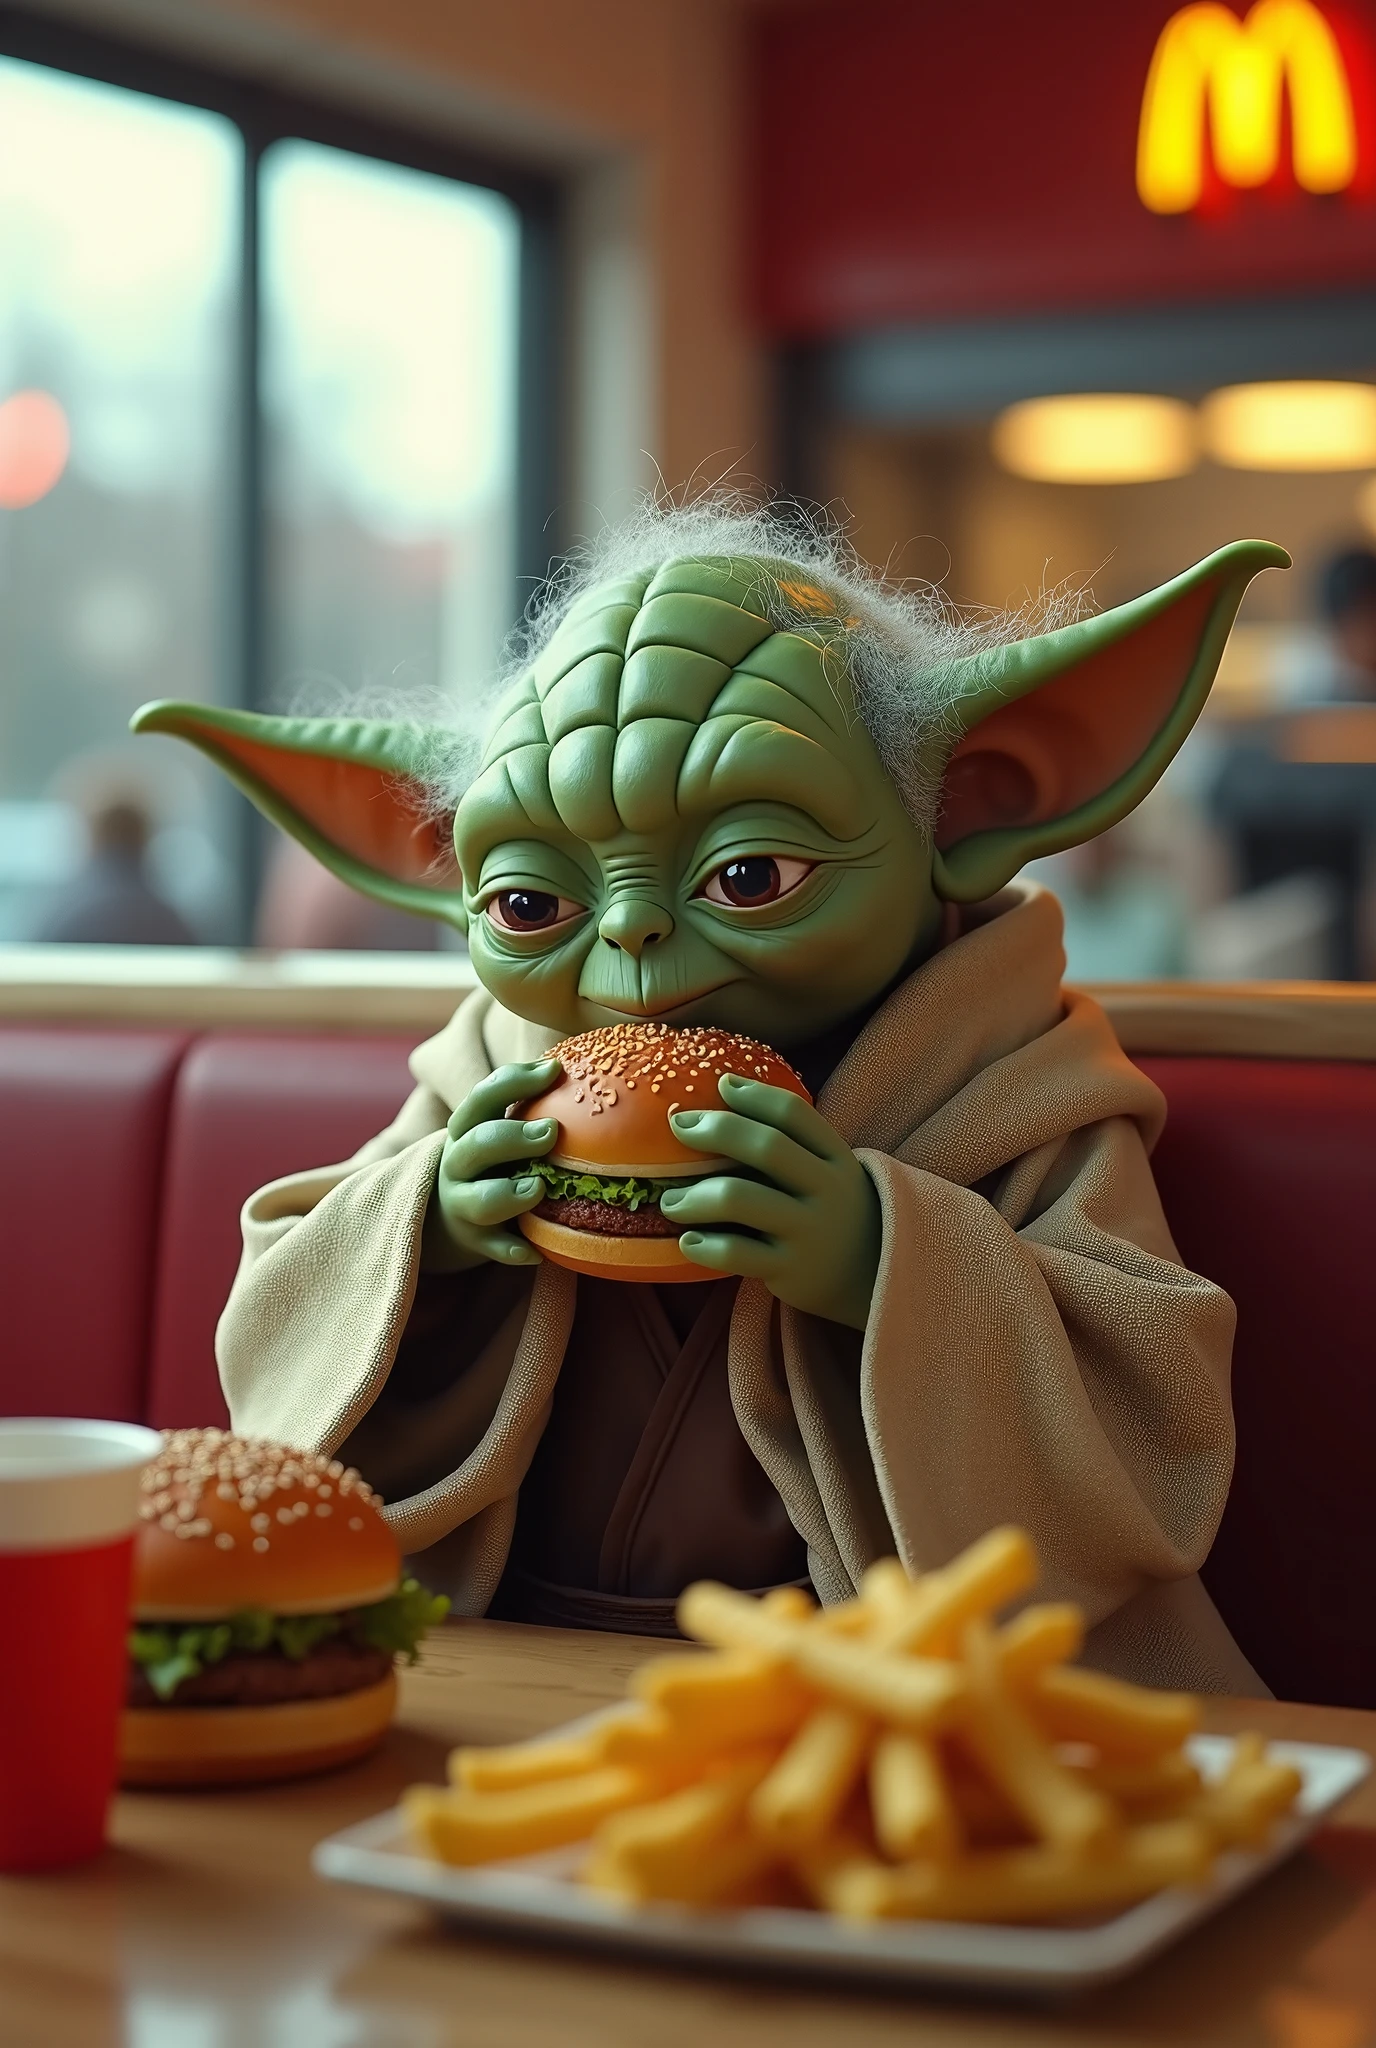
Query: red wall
[{"x": 930, "y": 158}]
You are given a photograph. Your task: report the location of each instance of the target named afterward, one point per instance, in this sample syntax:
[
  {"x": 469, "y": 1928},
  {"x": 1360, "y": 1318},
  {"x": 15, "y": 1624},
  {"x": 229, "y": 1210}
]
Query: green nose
[{"x": 632, "y": 923}]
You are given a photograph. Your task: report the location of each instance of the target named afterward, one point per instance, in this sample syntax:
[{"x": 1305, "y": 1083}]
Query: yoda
[{"x": 736, "y": 781}]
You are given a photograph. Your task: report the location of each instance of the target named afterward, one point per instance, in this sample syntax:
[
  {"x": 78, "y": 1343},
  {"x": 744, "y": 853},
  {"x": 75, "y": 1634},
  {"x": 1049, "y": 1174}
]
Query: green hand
[
  {"x": 815, "y": 1209},
  {"x": 474, "y": 1196}
]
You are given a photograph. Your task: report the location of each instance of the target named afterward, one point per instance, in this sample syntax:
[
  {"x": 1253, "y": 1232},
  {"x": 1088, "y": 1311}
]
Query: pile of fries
[{"x": 900, "y": 1755}]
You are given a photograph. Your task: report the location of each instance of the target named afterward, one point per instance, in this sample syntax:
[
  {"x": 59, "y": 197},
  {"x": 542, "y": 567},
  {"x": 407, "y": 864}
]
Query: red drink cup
[{"x": 69, "y": 1503}]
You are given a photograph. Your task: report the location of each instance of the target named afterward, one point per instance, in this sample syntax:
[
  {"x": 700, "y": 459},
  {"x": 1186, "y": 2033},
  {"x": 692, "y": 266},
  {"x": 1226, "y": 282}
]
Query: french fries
[
  {"x": 692, "y": 1846},
  {"x": 911, "y": 1806},
  {"x": 484, "y": 1827},
  {"x": 901, "y": 1755},
  {"x": 917, "y": 1692},
  {"x": 1040, "y": 1636},
  {"x": 1252, "y": 1794},
  {"x": 1122, "y": 1720},
  {"x": 1015, "y": 1884},
  {"x": 726, "y": 1701},
  {"x": 986, "y": 1576},
  {"x": 1017, "y": 1758},
  {"x": 798, "y": 1802}
]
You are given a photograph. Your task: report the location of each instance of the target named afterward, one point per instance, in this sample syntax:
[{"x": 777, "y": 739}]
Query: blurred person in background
[
  {"x": 110, "y": 901},
  {"x": 1347, "y": 601}
]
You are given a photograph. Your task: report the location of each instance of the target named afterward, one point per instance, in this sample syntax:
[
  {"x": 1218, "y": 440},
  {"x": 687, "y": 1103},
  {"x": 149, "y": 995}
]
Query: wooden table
[{"x": 203, "y": 1927}]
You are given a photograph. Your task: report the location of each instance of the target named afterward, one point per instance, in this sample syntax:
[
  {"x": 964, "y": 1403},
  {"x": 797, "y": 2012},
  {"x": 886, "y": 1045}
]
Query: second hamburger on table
[
  {"x": 270, "y": 1604},
  {"x": 616, "y": 1152}
]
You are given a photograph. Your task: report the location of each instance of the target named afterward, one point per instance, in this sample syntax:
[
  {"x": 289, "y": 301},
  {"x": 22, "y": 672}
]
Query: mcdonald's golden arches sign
[{"x": 1217, "y": 74}]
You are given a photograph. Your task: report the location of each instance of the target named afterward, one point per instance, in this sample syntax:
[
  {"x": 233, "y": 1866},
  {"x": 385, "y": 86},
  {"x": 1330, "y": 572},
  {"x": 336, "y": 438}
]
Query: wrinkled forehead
[{"x": 669, "y": 696}]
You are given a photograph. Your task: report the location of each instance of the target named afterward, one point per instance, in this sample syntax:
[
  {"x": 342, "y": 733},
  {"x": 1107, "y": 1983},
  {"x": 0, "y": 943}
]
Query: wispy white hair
[{"x": 901, "y": 642}]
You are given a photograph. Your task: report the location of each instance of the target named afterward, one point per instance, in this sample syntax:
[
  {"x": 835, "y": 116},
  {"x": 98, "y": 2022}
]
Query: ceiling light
[
  {"x": 1097, "y": 437},
  {"x": 1291, "y": 426}
]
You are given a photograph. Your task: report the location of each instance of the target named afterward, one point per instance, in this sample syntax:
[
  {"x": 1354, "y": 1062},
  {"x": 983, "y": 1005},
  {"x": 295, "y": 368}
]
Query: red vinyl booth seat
[
  {"x": 128, "y": 1153},
  {"x": 83, "y": 1133},
  {"x": 1268, "y": 1174},
  {"x": 248, "y": 1108}
]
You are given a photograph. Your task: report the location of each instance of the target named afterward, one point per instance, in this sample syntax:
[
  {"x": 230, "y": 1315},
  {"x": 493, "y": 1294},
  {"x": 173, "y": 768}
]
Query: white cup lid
[{"x": 69, "y": 1483}]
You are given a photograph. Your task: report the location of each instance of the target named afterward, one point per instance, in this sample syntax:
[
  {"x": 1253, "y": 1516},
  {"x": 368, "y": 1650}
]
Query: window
[
  {"x": 389, "y": 334},
  {"x": 273, "y": 431},
  {"x": 118, "y": 241}
]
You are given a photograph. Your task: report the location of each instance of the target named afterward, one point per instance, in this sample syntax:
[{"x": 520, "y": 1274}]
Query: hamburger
[
  {"x": 269, "y": 1606},
  {"x": 616, "y": 1152}
]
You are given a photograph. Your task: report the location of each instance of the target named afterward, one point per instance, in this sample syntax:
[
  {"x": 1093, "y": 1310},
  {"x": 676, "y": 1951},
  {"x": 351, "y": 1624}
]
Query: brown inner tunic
[{"x": 642, "y": 1481}]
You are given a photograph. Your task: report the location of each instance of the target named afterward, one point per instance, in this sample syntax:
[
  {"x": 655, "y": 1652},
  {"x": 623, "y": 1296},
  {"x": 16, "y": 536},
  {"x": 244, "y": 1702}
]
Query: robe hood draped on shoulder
[{"x": 1035, "y": 1352}]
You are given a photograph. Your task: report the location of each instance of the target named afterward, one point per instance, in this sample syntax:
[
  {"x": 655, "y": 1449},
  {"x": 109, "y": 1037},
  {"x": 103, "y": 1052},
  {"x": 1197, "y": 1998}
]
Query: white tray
[{"x": 539, "y": 1896}]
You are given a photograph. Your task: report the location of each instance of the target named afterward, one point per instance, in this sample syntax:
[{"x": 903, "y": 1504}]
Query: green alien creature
[{"x": 735, "y": 781}]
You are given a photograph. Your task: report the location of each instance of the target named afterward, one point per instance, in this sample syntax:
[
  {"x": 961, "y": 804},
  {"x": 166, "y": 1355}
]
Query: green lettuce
[
  {"x": 627, "y": 1193},
  {"x": 171, "y": 1652},
  {"x": 399, "y": 1622}
]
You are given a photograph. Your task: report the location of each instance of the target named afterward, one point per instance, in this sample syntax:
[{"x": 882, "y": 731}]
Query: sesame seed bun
[
  {"x": 620, "y": 1085},
  {"x": 252, "y": 1745},
  {"x": 228, "y": 1522}
]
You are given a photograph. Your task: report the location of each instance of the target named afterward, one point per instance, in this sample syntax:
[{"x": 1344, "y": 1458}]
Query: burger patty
[
  {"x": 608, "y": 1219},
  {"x": 262, "y": 1678}
]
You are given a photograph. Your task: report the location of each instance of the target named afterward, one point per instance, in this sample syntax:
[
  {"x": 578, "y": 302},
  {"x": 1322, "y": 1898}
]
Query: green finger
[
  {"x": 503, "y": 1247},
  {"x": 746, "y": 1203},
  {"x": 729, "y": 1254},
  {"x": 769, "y": 1151},
  {"x": 782, "y": 1109},
  {"x": 482, "y": 1202},
  {"x": 500, "y": 1143},
  {"x": 493, "y": 1097}
]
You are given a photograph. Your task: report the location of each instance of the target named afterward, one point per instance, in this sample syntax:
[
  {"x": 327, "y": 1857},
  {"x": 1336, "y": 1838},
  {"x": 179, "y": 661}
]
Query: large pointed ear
[
  {"x": 350, "y": 789},
  {"x": 1063, "y": 734}
]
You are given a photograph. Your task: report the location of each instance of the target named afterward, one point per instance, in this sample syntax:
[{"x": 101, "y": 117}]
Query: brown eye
[
  {"x": 754, "y": 879},
  {"x": 530, "y": 910}
]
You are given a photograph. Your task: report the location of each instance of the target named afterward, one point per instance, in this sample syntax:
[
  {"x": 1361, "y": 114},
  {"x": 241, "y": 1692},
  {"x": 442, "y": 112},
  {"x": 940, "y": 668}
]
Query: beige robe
[{"x": 1035, "y": 1353}]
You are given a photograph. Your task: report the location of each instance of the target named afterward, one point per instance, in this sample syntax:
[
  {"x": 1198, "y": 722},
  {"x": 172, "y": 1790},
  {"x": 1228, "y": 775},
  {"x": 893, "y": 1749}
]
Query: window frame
[{"x": 264, "y": 115}]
